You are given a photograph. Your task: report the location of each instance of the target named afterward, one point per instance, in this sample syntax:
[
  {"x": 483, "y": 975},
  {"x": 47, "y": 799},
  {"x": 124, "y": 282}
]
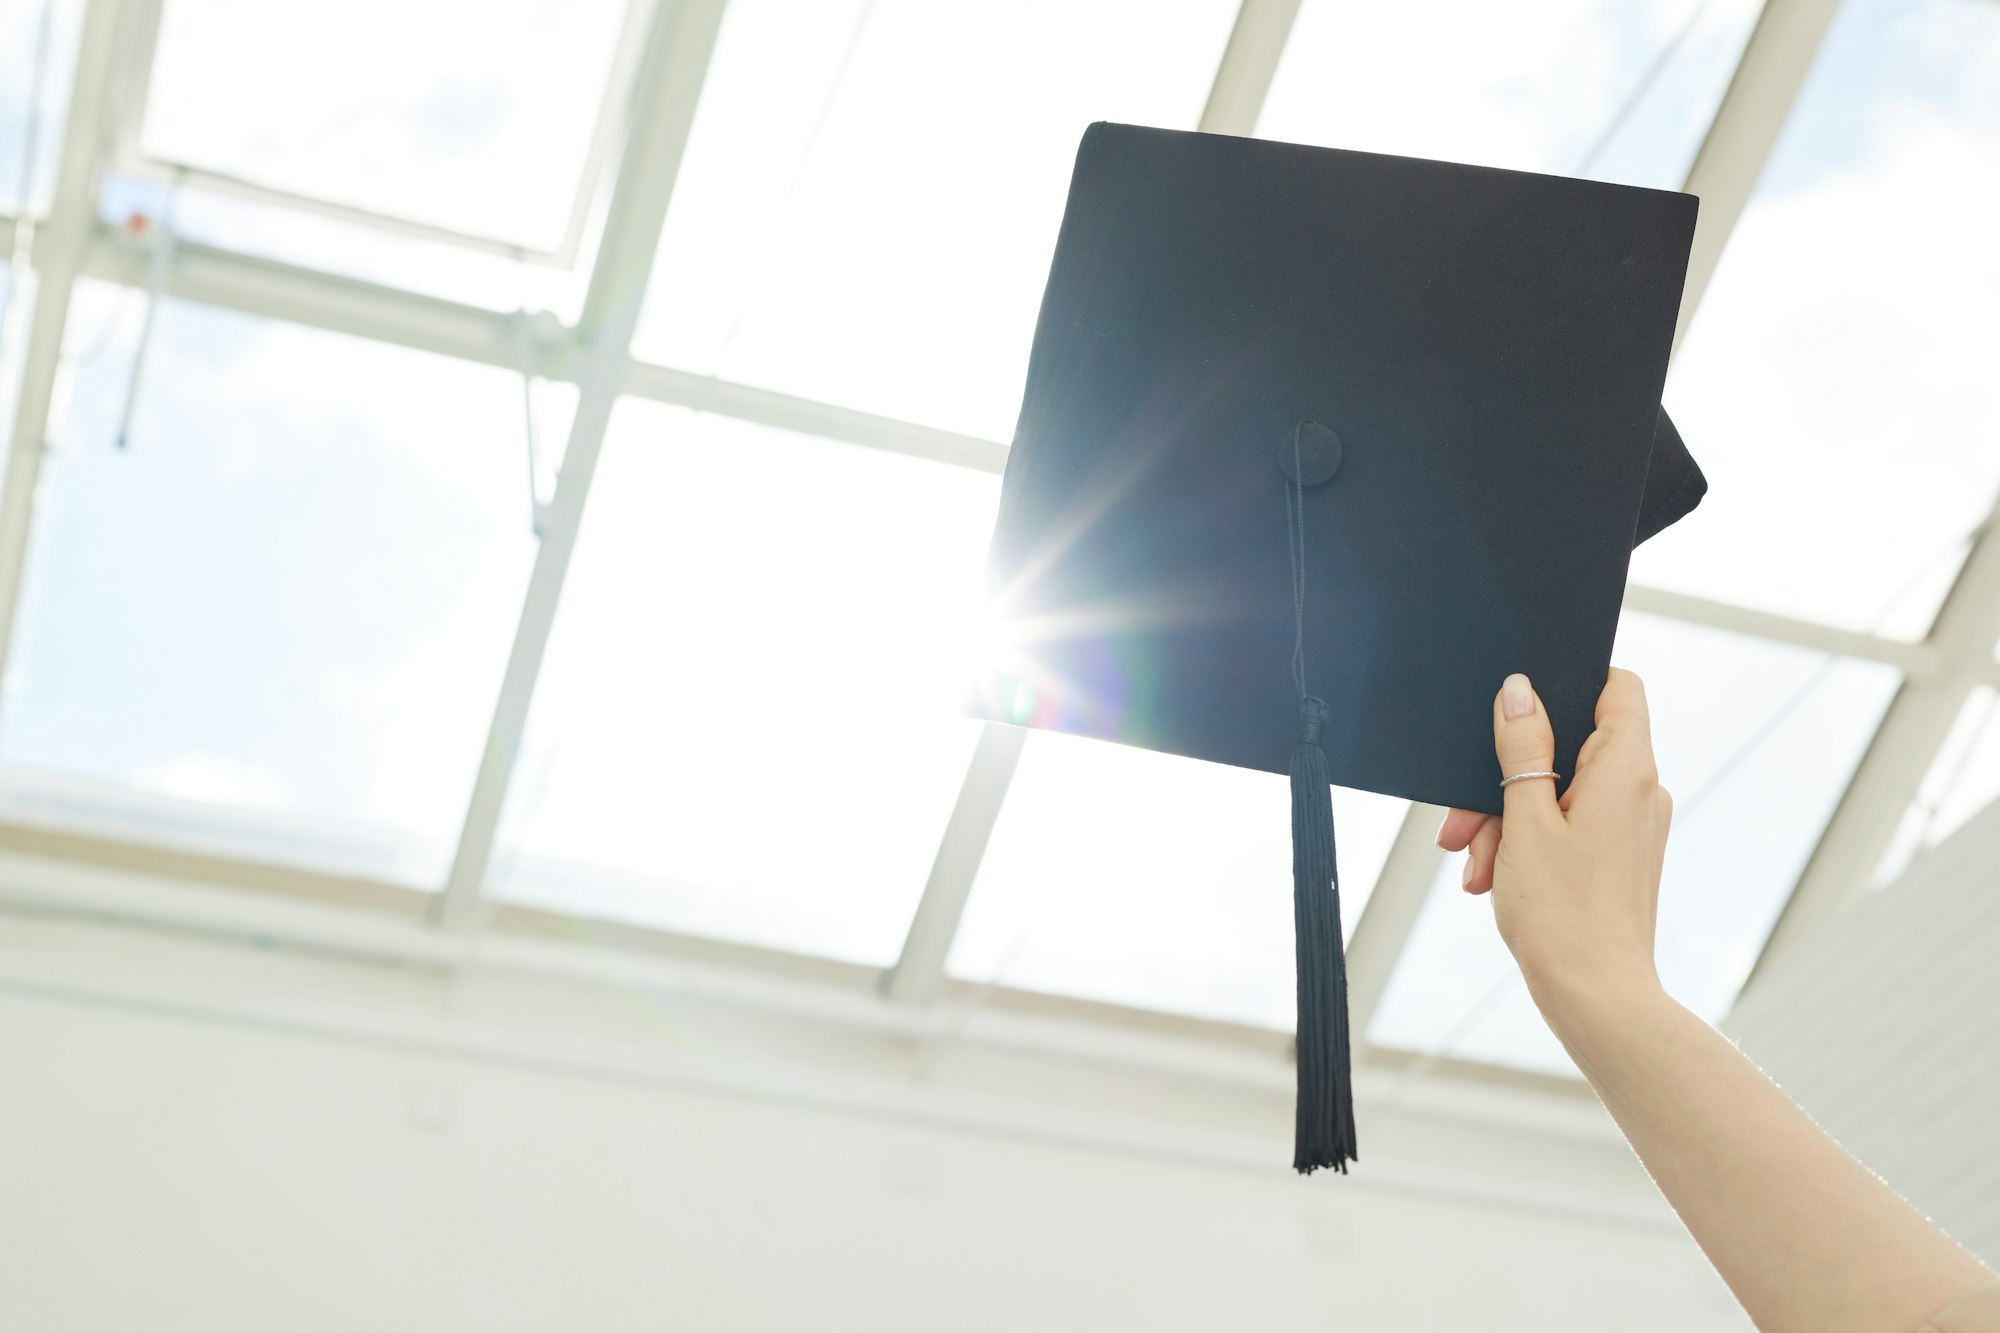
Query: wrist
[{"x": 1575, "y": 1001}]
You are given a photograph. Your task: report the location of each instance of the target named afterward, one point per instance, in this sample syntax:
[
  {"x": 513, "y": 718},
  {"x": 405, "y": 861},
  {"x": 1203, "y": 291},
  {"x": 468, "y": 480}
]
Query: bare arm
[{"x": 1805, "y": 1236}]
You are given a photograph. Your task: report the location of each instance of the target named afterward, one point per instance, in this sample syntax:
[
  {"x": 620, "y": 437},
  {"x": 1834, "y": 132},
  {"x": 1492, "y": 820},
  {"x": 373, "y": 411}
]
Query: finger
[
  {"x": 1624, "y": 734},
  {"x": 1455, "y": 833},
  {"x": 1525, "y": 743},
  {"x": 1484, "y": 855},
  {"x": 1593, "y": 745},
  {"x": 1622, "y": 712}
]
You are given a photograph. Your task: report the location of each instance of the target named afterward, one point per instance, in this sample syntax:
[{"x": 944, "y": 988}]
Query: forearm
[{"x": 1805, "y": 1237}]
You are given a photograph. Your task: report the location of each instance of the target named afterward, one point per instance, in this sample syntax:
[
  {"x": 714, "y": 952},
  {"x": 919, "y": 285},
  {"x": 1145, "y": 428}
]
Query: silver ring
[{"x": 1523, "y": 777}]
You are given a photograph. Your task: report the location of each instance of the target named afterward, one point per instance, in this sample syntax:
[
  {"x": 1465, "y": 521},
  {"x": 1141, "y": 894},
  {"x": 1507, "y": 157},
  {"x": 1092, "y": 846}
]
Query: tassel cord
[{"x": 1324, "y": 1131}]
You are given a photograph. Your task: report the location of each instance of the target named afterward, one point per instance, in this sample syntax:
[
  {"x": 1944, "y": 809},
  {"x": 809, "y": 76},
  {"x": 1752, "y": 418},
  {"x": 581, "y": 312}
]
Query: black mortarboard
[{"x": 1316, "y": 448}]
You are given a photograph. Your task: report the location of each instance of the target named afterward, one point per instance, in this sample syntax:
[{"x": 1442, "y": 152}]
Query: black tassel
[{"x": 1325, "y": 1133}]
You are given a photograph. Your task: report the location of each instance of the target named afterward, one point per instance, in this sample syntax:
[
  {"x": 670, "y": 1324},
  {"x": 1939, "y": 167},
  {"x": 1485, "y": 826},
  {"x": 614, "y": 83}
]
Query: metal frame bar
[
  {"x": 1249, "y": 63},
  {"x": 133, "y": 78},
  {"x": 1391, "y": 914},
  {"x": 918, "y": 975},
  {"x": 767, "y": 407},
  {"x": 1753, "y": 111},
  {"x": 672, "y": 73},
  {"x": 275, "y": 290},
  {"x": 1917, "y": 660},
  {"x": 58, "y": 256}
]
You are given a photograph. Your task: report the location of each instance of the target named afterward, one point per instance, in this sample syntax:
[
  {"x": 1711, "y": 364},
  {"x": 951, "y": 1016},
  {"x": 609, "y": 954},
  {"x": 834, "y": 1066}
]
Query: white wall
[
  {"x": 197, "y": 1136},
  {"x": 1885, "y": 1024}
]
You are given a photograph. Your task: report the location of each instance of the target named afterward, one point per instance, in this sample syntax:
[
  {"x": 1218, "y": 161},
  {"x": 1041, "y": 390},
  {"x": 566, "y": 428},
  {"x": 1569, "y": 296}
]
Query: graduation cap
[{"x": 1316, "y": 448}]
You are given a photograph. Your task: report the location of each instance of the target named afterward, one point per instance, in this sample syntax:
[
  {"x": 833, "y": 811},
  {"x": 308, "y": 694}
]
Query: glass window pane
[
  {"x": 872, "y": 192},
  {"x": 475, "y": 115},
  {"x": 1456, "y": 993},
  {"x": 1150, "y": 880},
  {"x": 1613, "y": 91},
  {"x": 37, "y": 60},
  {"x": 1847, "y": 427},
  {"x": 273, "y": 623},
  {"x": 1963, "y": 780},
  {"x": 1756, "y": 741},
  {"x": 748, "y": 724}
]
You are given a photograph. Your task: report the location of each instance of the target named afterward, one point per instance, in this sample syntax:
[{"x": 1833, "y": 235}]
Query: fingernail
[
  {"x": 1517, "y": 697},
  {"x": 1465, "y": 880}
]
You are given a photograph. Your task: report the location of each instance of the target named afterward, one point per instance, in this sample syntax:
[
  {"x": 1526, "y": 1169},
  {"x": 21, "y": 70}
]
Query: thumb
[{"x": 1525, "y": 743}]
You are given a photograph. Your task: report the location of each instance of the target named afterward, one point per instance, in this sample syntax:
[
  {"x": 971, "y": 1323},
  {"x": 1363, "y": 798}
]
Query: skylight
[{"x": 270, "y": 622}]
